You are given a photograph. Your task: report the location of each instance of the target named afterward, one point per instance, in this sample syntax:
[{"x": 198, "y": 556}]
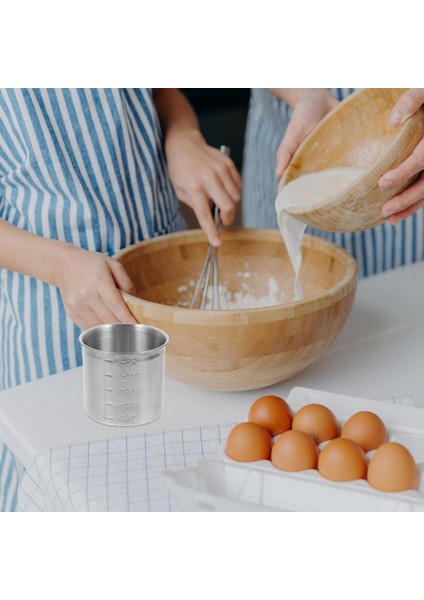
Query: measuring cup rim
[{"x": 128, "y": 352}]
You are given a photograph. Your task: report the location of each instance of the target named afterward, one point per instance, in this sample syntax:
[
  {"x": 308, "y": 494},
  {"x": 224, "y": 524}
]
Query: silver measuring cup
[{"x": 124, "y": 373}]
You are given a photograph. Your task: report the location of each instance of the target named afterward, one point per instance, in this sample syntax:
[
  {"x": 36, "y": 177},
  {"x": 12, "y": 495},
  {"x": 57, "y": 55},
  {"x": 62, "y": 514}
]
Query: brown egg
[
  {"x": 366, "y": 429},
  {"x": 271, "y": 412},
  {"x": 393, "y": 469},
  {"x": 248, "y": 442},
  {"x": 342, "y": 460},
  {"x": 316, "y": 420},
  {"x": 294, "y": 451}
]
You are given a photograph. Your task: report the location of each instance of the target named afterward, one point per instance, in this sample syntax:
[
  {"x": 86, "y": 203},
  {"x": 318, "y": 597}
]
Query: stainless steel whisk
[{"x": 208, "y": 287}]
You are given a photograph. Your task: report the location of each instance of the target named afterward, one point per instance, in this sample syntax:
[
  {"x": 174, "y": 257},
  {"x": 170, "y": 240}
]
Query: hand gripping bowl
[
  {"x": 356, "y": 133},
  {"x": 240, "y": 349}
]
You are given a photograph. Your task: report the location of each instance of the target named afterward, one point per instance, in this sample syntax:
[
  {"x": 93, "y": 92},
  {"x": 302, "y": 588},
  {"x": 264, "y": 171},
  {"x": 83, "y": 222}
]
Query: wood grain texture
[
  {"x": 244, "y": 348},
  {"x": 356, "y": 134}
]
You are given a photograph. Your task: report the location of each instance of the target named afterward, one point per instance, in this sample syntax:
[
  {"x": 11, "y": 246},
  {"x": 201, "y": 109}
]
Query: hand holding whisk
[{"x": 208, "y": 293}]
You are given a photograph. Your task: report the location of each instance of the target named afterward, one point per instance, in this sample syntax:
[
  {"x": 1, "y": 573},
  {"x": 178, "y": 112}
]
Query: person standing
[{"x": 84, "y": 173}]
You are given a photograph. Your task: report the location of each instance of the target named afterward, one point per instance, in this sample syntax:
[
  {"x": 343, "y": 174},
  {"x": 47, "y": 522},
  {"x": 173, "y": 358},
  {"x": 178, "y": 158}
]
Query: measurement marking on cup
[
  {"x": 109, "y": 404},
  {"x": 129, "y": 376},
  {"x": 128, "y": 404},
  {"x": 126, "y": 417}
]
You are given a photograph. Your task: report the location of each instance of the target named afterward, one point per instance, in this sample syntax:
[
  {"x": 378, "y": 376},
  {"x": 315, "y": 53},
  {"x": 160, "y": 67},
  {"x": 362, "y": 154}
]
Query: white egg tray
[{"x": 227, "y": 485}]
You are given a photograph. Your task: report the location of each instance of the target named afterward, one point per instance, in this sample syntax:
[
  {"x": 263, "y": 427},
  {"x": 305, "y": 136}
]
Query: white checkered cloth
[
  {"x": 122, "y": 474},
  {"x": 115, "y": 475}
]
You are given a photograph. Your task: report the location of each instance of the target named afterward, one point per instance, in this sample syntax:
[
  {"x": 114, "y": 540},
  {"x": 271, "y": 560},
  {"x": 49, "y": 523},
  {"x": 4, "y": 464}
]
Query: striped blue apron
[
  {"x": 378, "y": 249},
  {"x": 85, "y": 166}
]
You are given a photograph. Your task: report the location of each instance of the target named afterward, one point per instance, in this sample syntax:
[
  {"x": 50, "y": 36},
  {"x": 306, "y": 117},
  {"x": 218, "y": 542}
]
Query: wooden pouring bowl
[
  {"x": 356, "y": 134},
  {"x": 240, "y": 349}
]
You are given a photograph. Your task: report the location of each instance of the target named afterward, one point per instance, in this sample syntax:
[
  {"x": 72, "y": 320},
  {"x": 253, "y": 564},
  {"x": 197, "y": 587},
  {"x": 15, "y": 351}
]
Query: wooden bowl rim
[
  {"x": 379, "y": 165},
  {"x": 219, "y": 316}
]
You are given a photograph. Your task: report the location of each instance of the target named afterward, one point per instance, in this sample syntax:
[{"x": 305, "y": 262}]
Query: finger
[
  {"x": 87, "y": 319},
  {"x": 293, "y": 137},
  {"x": 409, "y": 197},
  {"x": 103, "y": 312},
  {"x": 115, "y": 303},
  {"x": 410, "y": 167},
  {"x": 81, "y": 322},
  {"x": 226, "y": 161},
  {"x": 283, "y": 158},
  {"x": 406, "y": 106},
  {"x": 235, "y": 175},
  {"x": 203, "y": 212},
  {"x": 226, "y": 179},
  {"x": 217, "y": 192},
  {"x": 400, "y": 216},
  {"x": 290, "y": 143},
  {"x": 120, "y": 276}
]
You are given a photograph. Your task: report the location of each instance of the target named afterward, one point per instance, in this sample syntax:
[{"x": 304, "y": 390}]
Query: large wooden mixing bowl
[
  {"x": 240, "y": 349},
  {"x": 356, "y": 134}
]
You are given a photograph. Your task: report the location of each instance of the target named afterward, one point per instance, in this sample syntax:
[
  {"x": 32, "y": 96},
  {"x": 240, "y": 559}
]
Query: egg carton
[{"x": 227, "y": 485}]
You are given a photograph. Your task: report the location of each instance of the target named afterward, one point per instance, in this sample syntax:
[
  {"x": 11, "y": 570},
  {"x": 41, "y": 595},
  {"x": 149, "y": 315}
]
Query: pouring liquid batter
[{"x": 306, "y": 191}]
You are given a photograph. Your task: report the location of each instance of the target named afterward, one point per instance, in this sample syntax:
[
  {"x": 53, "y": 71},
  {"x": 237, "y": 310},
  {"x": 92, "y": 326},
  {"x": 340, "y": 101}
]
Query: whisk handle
[{"x": 226, "y": 151}]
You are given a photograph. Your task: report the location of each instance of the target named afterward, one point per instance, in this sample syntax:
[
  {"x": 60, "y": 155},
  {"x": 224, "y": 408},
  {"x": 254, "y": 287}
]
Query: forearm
[
  {"x": 30, "y": 254},
  {"x": 174, "y": 111},
  {"x": 291, "y": 96}
]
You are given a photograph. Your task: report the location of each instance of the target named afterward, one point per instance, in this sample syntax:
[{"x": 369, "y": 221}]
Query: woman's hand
[
  {"x": 405, "y": 204},
  {"x": 199, "y": 173},
  {"x": 88, "y": 283},
  {"x": 309, "y": 107}
]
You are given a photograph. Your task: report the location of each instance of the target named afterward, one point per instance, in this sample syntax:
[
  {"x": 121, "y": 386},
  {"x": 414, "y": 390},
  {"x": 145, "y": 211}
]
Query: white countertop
[{"x": 379, "y": 354}]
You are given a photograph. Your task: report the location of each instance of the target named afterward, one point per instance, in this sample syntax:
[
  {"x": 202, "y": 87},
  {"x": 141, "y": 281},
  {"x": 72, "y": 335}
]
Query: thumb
[
  {"x": 406, "y": 106},
  {"x": 120, "y": 276},
  {"x": 291, "y": 141}
]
